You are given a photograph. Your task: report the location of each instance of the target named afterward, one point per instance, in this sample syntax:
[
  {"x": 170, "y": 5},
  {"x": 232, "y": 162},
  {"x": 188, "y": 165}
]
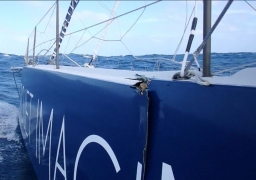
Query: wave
[{"x": 8, "y": 121}]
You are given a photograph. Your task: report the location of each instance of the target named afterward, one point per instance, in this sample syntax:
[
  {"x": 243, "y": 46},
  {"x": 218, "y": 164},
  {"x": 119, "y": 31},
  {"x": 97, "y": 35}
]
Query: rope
[{"x": 199, "y": 79}]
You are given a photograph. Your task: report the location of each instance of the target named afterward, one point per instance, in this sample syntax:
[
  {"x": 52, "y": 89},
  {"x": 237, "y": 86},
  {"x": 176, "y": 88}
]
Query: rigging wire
[
  {"x": 90, "y": 37},
  {"x": 190, "y": 40},
  {"x": 199, "y": 49},
  {"x": 42, "y": 18},
  {"x": 112, "y": 14},
  {"x": 106, "y": 7},
  {"x": 84, "y": 30},
  {"x": 48, "y": 21},
  {"x": 173, "y": 59},
  {"x": 45, "y": 28},
  {"x": 115, "y": 17},
  {"x": 133, "y": 23},
  {"x": 237, "y": 67},
  {"x": 233, "y": 68},
  {"x": 67, "y": 44},
  {"x": 186, "y": 26},
  {"x": 43, "y": 43},
  {"x": 120, "y": 38},
  {"x": 250, "y": 5},
  {"x": 50, "y": 47}
]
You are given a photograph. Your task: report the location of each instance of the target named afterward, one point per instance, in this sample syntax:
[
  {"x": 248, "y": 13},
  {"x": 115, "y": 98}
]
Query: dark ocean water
[{"x": 14, "y": 161}]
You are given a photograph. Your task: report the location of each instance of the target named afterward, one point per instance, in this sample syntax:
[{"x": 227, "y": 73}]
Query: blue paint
[
  {"x": 114, "y": 112},
  {"x": 202, "y": 132},
  {"x": 222, "y": 164}
]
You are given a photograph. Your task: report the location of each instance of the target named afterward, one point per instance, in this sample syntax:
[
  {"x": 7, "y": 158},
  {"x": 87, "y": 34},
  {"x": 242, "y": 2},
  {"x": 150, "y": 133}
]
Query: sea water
[{"x": 14, "y": 161}]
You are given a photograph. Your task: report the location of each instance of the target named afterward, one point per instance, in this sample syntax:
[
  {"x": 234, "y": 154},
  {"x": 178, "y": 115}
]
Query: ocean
[{"x": 14, "y": 161}]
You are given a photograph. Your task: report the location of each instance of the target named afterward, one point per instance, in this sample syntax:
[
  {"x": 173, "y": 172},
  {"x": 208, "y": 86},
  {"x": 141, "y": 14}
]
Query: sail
[
  {"x": 64, "y": 27},
  {"x": 105, "y": 30}
]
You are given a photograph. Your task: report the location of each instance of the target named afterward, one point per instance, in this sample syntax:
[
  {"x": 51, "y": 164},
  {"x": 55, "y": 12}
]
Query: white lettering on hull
[
  {"x": 139, "y": 170},
  {"x": 37, "y": 120},
  {"x": 25, "y": 112},
  {"x": 41, "y": 140},
  {"x": 29, "y": 118},
  {"x": 99, "y": 140},
  {"x": 167, "y": 173},
  {"x": 57, "y": 165}
]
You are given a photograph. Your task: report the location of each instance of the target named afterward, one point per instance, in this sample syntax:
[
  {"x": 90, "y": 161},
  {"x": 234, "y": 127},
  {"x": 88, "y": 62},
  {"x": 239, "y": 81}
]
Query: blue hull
[
  {"x": 83, "y": 128},
  {"x": 202, "y": 132}
]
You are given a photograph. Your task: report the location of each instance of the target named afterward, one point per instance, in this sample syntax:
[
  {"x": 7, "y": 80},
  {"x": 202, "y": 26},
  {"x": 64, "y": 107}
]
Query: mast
[
  {"x": 57, "y": 34},
  {"x": 60, "y": 36},
  {"x": 206, "y": 38},
  {"x": 207, "y": 48}
]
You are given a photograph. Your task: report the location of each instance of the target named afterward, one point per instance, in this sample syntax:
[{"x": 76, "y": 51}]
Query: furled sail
[
  {"x": 71, "y": 9},
  {"x": 105, "y": 30},
  {"x": 112, "y": 14}
]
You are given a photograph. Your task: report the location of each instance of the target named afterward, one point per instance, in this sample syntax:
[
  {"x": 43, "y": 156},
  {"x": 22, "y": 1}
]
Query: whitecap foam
[
  {"x": 8, "y": 121},
  {"x": 86, "y": 56},
  {"x": 1, "y": 158}
]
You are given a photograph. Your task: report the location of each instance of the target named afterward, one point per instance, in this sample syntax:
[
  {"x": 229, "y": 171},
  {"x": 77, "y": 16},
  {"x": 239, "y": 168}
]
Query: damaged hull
[
  {"x": 77, "y": 127},
  {"x": 202, "y": 132},
  {"x": 89, "y": 129}
]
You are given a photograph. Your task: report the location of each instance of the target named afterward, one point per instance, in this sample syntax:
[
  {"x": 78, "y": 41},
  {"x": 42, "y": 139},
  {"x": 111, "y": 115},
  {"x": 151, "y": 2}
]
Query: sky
[{"x": 158, "y": 28}]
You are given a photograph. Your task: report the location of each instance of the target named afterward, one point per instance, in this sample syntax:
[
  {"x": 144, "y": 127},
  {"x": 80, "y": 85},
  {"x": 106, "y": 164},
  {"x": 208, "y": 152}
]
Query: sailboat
[{"x": 95, "y": 123}]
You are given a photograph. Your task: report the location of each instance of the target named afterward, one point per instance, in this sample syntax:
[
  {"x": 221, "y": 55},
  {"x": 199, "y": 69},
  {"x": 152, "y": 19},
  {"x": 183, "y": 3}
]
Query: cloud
[
  {"x": 37, "y": 4},
  {"x": 227, "y": 27},
  {"x": 86, "y": 16},
  {"x": 20, "y": 39},
  {"x": 240, "y": 11},
  {"x": 198, "y": 32},
  {"x": 177, "y": 18},
  {"x": 3, "y": 30},
  {"x": 156, "y": 39},
  {"x": 150, "y": 20}
]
